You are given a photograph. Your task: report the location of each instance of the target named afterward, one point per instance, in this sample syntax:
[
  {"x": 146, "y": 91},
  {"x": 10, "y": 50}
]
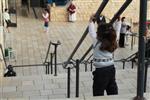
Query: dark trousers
[
  {"x": 104, "y": 79},
  {"x": 8, "y": 22},
  {"x": 122, "y": 40}
]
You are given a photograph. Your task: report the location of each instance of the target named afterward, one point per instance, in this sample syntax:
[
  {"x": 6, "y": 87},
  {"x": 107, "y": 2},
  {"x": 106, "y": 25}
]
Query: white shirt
[
  {"x": 117, "y": 26},
  {"x": 123, "y": 27},
  {"x": 97, "y": 53},
  {"x": 46, "y": 17},
  {"x": 6, "y": 16}
]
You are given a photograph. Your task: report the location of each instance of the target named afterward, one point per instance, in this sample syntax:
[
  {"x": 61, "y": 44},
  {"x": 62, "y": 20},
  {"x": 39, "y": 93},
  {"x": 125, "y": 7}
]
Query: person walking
[
  {"x": 104, "y": 44},
  {"x": 46, "y": 20}
]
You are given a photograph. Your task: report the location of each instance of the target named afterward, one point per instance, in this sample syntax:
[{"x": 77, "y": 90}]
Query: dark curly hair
[{"x": 107, "y": 36}]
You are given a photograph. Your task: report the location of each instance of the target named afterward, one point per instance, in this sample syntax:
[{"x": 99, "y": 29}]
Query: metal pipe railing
[
  {"x": 31, "y": 65},
  {"x": 51, "y": 63},
  {"x": 141, "y": 49},
  {"x": 120, "y": 11},
  {"x": 68, "y": 81},
  {"x": 3, "y": 55},
  {"x": 100, "y": 9},
  {"x": 91, "y": 65},
  {"x": 86, "y": 53},
  {"x": 55, "y": 56},
  {"x": 77, "y": 77},
  {"x": 145, "y": 78}
]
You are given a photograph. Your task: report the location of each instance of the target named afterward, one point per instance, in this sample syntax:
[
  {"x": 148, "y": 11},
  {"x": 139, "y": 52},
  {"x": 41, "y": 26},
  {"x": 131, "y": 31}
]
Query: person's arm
[
  {"x": 44, "y": 16},
  {"x": 92, "y": 31}
]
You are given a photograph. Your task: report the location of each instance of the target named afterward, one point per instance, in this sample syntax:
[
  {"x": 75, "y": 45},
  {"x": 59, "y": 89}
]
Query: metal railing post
[
  {"x": 91, "y": 65},
  {"x": 145, "y": 79},
  {"x": 77, "y": 77},
  {"x": 55, "y": 56},
  {"x": 46, "y": 67},
  {"x": 86, "y": 66},
  {"x": 68, "y": 82},
  {"x": 141, "y": 49},
  {"x": 51, "y": 63},
  {"x": 48, "y": 64},
  {"x": 55, "y": 64}
]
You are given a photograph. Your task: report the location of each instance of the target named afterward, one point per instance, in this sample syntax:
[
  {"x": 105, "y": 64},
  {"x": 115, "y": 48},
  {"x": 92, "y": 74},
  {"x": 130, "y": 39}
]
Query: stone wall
[{"x": 86, "y": 7}]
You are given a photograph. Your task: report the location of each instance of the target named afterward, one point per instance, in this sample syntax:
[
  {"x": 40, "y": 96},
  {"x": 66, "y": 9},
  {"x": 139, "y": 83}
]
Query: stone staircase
[{"x": 49, "y": 87}]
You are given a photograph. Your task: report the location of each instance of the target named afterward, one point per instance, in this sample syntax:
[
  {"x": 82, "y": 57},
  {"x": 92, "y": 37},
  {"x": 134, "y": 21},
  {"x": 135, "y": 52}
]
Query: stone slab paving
[
  {"x": 31, "y": 43},
  {"x": 50, "y": 87}
]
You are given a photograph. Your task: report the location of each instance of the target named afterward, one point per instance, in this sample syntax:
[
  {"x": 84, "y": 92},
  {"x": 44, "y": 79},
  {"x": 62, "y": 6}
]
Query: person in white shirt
[
  {"x": 6, "y": 17},
  {"x": 46, "y": 19},
  {"x": 122, "y": 33},
  {"x": 104, "y": 44},
  {"x": 117, "y": 27}
]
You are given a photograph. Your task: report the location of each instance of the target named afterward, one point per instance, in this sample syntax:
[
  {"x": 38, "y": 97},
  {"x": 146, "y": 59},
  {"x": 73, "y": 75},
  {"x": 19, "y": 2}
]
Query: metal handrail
[
  {"x": 120, "y": 11},
  {"x": 3, "y": 55},
  {"x": 100, "y": 9},
  {"x": 86, "y": 53}
]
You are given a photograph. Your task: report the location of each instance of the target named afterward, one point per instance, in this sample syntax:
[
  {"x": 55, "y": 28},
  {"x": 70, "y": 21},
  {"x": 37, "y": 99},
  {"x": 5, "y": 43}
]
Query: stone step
[
  {"x": 48, "y": 86},
  {"x": 112, "y": 97}
]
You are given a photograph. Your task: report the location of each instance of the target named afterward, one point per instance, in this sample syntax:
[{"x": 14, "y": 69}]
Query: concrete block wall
[{"x": 86, "y": 7}]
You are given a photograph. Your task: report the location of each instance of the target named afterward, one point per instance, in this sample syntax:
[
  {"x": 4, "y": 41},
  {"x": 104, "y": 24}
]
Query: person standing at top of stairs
[{"x": 72, "y": 12}]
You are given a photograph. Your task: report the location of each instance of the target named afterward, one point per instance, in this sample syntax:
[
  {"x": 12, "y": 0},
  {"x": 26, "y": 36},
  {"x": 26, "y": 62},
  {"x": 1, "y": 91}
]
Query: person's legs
[
  {"x": 112, "y": 88},
  {"x": 100, "y": 81},
  {"x": 121, "y": 40},
  {"x": 8, "y": 22},
  {"x": 46, "y": 27}
]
